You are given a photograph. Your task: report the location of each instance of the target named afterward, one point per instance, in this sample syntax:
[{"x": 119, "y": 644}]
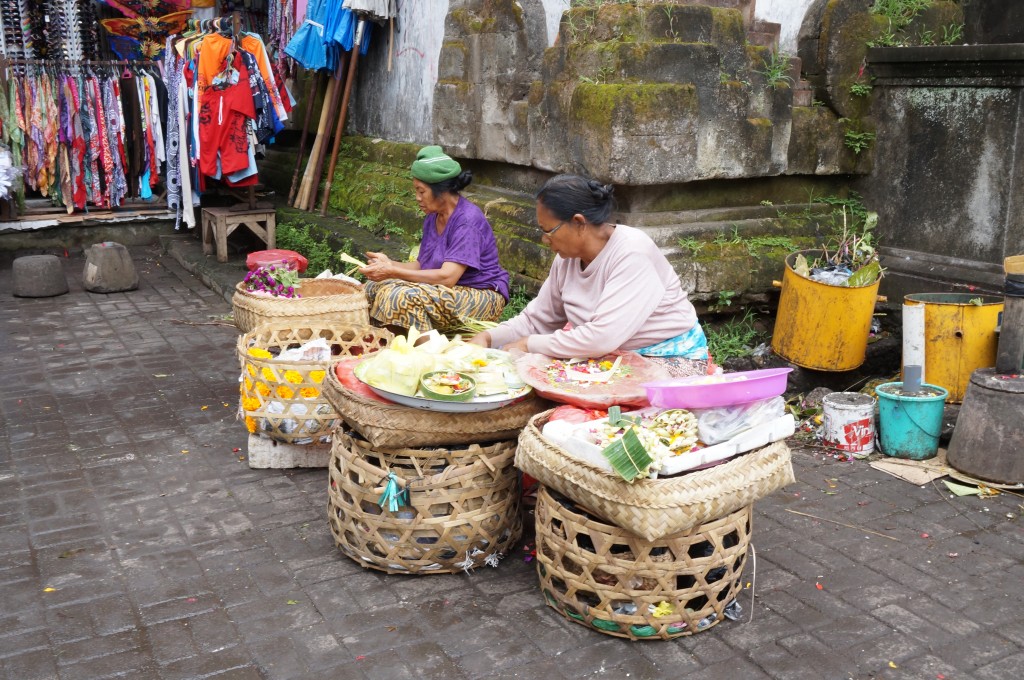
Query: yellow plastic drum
[
  {"x": 959, "y": 337},
  {"x": 821, "y": 326}
]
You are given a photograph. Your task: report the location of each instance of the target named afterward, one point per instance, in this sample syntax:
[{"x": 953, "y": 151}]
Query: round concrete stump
[
  {"x": 109, "y": 269},
  {"x": 39, "y": 276},
  {"x": 988, "y": 440}
]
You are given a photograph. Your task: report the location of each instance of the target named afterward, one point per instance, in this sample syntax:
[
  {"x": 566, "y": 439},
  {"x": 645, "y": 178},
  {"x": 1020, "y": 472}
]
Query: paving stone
[
  {"x": 1007, "y": 668},
  {"x": 98, "y": 501}
]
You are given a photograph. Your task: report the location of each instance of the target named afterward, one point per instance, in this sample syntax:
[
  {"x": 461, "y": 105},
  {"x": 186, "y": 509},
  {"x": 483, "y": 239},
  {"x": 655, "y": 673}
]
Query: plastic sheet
[{"x": 721, "y": 424}]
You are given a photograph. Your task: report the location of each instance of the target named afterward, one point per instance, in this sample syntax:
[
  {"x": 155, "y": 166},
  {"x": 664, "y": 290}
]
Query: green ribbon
[{"x": 393, "y": 494}]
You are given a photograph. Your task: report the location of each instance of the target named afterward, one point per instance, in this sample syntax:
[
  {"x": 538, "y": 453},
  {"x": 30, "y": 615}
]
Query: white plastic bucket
[{"x": 849, "y": 422}]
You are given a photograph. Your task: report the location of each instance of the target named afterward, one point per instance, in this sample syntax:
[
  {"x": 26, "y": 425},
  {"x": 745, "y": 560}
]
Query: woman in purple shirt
[{"x": 456, "y": 275}]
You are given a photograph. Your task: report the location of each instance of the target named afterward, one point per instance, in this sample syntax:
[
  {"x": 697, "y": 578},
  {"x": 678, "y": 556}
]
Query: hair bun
[{"x": 600, "y": 192}]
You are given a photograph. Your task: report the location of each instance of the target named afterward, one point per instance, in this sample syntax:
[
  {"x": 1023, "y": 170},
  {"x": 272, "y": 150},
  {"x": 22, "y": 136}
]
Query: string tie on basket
[{"x": 393, "y": 495}]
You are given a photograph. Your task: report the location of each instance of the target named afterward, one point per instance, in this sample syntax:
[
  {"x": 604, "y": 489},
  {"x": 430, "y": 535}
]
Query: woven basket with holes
[
  {"x": 323, "y": 300},
  {"x": 284, "y": 400},
  {"x": 460, "y": 509},
  {"x": 389, "y": 425},
  {"x": 610, "y": 580},
  {"x": 654, "y": 508}
]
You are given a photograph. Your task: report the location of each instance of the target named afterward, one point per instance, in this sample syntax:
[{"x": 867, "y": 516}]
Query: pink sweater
[{"x": 627, "y": 298}]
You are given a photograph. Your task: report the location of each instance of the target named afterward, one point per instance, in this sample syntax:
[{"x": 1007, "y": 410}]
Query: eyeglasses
[{"x": 552, "y": 231}]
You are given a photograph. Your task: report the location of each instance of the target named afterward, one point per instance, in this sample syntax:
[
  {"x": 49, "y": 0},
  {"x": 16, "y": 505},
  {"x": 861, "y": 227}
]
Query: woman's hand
[
  {"x": 483, "y": 339},
  {"x": 519, "y": 344},
  {"x": 378, "y": 268}
]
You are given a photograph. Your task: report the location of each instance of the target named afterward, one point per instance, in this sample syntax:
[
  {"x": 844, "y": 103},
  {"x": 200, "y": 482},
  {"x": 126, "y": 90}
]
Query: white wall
[
  {"x": 398, "y": 105},
  {"x": 789, "y": 13}
]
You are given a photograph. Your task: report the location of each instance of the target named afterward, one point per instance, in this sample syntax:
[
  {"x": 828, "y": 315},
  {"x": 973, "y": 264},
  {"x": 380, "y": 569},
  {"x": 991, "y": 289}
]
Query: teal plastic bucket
[{"x": 909, "y": 426}]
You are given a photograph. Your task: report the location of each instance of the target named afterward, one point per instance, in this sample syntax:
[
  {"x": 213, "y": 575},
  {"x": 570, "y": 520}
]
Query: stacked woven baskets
[
  {"x": 655, "y": 559},
  {"x": 327, "y": 301},
  {"x": 284, "y": 400},
  {"x": 419, "y": 492}
]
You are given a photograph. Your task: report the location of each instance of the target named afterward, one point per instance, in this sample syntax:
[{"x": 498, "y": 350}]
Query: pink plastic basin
[{"x": 731, "y": 388}]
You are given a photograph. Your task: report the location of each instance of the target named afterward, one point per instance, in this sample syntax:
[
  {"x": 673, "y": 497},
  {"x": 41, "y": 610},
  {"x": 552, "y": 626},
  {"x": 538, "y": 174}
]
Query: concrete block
[
  {"x": 38, "y": 276},
  {"x": 109, "y": 269},
  {"x": 267, "y": 454}
]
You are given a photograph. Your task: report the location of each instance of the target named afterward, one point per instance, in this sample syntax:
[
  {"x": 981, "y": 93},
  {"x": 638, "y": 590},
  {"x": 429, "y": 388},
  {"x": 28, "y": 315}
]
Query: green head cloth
[{"x": 432, "y": 165}]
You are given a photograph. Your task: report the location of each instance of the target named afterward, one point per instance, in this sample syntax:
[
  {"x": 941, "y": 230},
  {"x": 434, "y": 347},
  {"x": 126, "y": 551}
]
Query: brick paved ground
[{"x": 134, "y": 542}]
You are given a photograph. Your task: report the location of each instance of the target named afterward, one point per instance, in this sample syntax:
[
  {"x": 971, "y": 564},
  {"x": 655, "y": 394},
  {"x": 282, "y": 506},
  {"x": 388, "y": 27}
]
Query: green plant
[
  {"x": 888, "y": 38},
  {"x": 604, "y": 74},
  {"x": 860, "y": 88},
  {"x": 851, "y": 205},
  {"x": 758, "y": 244},
  {"x": 671, "y": 15},
  {"x": 298, "y": 236},
  {"x": 579, "y": 25},
  {"x": 724, "y": 299},
  {"x": 853, "y": 248},
  {"x": 900, "y": 12},
  {"x": 926, "y": 37},
  {"x": 858, "y": 141},
  {"x": 694, "y": 245},
  {"x": 733, "y": 339},
  {"x": 518, "y": 298},
  {"x": 953, "y": 33},
  {"x": 776, "y": 70}
]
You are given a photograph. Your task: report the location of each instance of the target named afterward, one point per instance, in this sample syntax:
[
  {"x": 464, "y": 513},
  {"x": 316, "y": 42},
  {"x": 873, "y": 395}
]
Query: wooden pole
[
  {"x": 340, "y": 129},
  {"x": 310, "y": 102},
  {"x": 332, "y": 112},
  {"x": 302, "y": 200}
]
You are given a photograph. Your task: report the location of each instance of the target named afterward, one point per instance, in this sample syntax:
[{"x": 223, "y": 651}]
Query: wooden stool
[{"x": 218, "y": 223}]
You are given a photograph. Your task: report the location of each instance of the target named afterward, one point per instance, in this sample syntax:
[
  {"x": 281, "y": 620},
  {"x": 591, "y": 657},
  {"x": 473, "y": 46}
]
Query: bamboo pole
[
  {"x": 310, "y": 102},
  {"x": 302, "y": 200},
  {"x": 332, "y": 114},
  {"x": 340, "y": 129}
]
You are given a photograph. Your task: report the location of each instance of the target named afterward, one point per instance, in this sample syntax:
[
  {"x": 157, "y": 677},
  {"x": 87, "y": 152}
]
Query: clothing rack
[{"x": 6, "y": 61}]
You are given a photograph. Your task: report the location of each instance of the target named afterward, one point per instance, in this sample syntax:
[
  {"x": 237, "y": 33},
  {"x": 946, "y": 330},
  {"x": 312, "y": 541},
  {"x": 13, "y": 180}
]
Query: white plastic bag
[
  {"x": 315, "y": 350},
  {"x": 716, "y": 425}
]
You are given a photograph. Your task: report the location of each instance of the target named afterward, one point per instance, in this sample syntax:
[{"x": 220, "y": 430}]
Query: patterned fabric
[
  {"x": 133, "y": 49},
  {"x": 692, "y": 344},
  {"x": 426, "y": 306},
  {"x": 137, "y": 8},
  {"x": 678, "y": 367},
  {"x": 148, "y": 28},
  {"x": 173, "y": 179}
]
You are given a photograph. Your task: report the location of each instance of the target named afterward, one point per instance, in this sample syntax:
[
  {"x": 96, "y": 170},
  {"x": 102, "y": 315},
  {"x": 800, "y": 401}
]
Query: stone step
[
  {"x": 764, "y": 33},
  {"x": 667, "y": 236},
  {"x": 670, "y": 218},
  {"x": 681, "y": 22}
]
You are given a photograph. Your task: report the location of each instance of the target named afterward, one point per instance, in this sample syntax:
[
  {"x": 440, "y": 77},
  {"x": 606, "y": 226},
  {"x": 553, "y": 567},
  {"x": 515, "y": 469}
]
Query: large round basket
[
  {"x": 612, "y": 581},
  {"x": 323, "y": 300},
  {"x": 655, "y": 508},
  {"x": 284, "y": 400},
  {"x": 460, "y": 508},
  {"x": 388, "y": 425}
]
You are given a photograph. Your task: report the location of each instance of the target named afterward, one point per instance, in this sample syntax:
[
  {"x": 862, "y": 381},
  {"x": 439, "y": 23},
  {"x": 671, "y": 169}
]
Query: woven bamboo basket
[
  {"x": 612, "y": 581},
  {"x": 323, "y": 300},
  {"x": 462, "y": 508},
  {"x": 388, "y": 425},
  {"x": 655, "y": 508},
  {"x": 284, "y": 400}
]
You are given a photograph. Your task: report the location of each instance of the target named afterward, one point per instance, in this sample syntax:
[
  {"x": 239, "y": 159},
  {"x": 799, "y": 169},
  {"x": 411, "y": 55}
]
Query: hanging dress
[{"x": 309, "y": 44}]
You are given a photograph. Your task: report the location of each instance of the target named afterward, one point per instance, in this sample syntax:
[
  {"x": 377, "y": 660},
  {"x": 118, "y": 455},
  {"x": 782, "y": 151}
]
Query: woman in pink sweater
[{"x": 610, "y": 288}]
